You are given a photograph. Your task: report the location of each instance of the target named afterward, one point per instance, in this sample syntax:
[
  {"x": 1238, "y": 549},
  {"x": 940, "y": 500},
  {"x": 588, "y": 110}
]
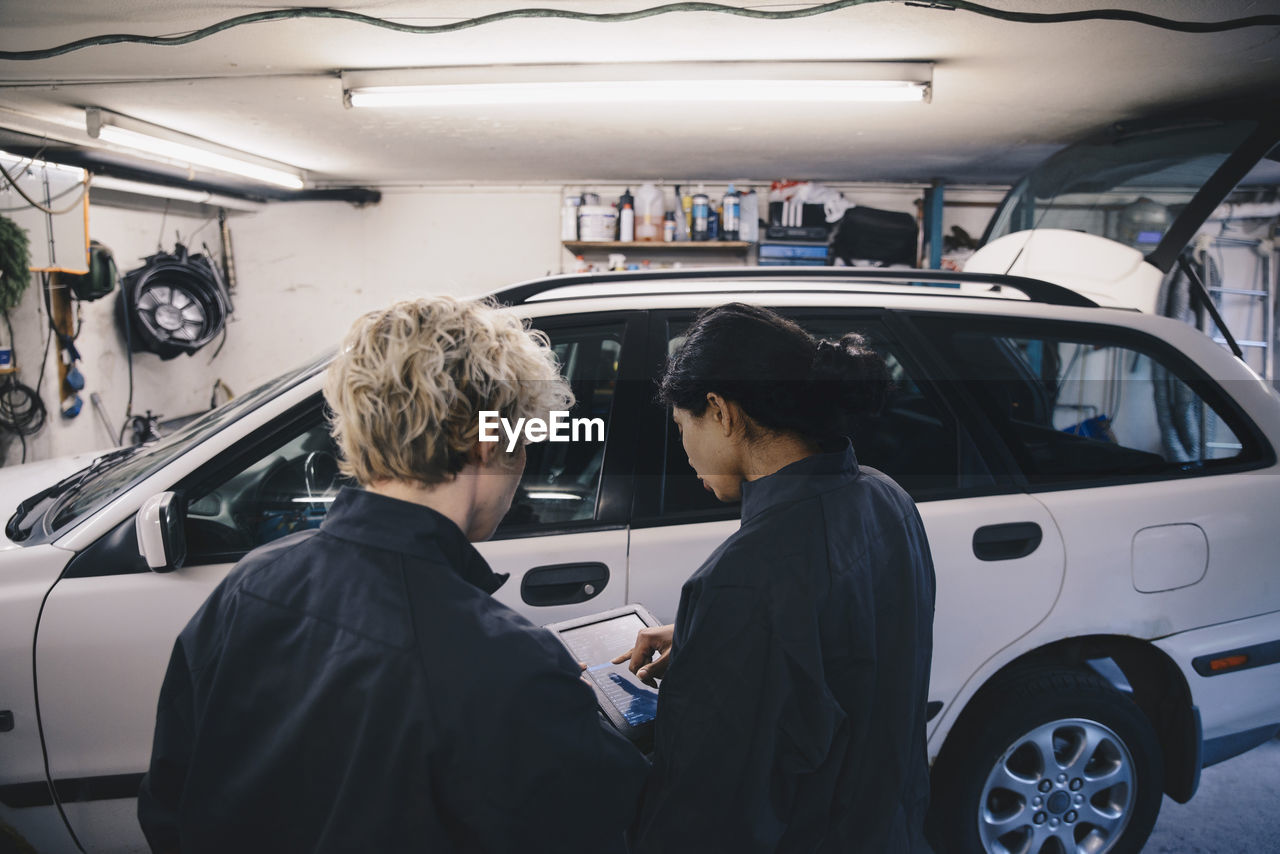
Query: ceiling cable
[
  {"x": 13, "y": 182},
  {"x": 1125, "y": 15}
]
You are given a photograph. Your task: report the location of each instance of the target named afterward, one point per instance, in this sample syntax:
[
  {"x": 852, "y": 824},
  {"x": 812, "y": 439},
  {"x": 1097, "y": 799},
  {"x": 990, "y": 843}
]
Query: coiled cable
[{"x": 22, "y": 412}]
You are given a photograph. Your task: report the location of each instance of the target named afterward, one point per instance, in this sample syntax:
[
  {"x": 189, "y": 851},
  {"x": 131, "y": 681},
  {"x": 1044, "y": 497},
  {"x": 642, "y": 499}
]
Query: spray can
[
  {"x": 731, "y": 221},
  {"x": 700, "y": 214},
  {"x": 669, "y": 227}
]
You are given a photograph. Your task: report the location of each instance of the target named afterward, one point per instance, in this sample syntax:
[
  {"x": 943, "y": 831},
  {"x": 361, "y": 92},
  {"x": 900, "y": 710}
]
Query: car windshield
[
  {"x": 119, "y": 471},
  {"x": 1128, "y": 187}
]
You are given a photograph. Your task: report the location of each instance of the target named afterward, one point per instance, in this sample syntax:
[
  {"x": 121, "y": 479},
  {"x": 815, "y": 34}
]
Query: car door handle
[
  {"x": 563, "y": 583},
  {"x": 1007, "y": 542}
]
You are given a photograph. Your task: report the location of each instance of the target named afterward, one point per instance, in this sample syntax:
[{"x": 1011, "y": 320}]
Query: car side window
[
  {"x": 287, "y": 483},
  {"x": 561, "y": 480},
  {"x": 915, "y": 439},
  {"x": 286, "y": 486},
  {"x": 1079, "y": 404}
]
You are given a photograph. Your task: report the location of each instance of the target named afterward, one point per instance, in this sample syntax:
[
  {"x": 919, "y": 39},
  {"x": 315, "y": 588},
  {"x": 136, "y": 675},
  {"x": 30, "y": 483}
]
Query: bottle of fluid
[
  {"x": 700, "y": 215},
  {"x": 624, "y": 200},
  {"x": 627, "y": 224},
  {"x": 569, "y": 217},
  {"x": 649, "y": 210},
  {"x": 749, "y": 227},
  {"x": 669, "y": 227},
  {"x": 731, "y": 216}
]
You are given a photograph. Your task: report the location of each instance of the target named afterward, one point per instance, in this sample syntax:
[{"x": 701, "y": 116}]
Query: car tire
[{"x": 1047, "y": 761}]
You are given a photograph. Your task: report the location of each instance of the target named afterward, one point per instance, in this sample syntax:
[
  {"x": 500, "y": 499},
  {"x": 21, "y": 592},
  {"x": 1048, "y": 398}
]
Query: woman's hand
[{"x": 648, "y": 641}]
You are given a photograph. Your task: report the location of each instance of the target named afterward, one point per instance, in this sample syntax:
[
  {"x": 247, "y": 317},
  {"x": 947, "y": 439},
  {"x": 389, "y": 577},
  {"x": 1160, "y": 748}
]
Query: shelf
[{"x": 726, "y": 246}]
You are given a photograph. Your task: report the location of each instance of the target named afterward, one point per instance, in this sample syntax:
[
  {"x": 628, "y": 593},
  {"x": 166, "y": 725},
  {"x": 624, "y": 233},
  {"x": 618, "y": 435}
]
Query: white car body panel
[
  {"x": 989, "y": 603},
  {"x": 28, "y": 575},
  {"x": 1235, "y": 702},
  {"x": 98, "y": 700},
  {"x": 663, "y": 558}
]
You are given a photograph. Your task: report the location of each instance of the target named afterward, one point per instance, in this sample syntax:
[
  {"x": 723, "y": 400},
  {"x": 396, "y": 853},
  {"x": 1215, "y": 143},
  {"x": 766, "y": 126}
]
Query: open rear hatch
[{"x": 1155, "y": 215}]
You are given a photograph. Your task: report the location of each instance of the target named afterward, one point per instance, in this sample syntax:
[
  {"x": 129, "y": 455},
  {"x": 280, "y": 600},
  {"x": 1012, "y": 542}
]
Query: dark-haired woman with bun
[{"x": 791, "y": 713}]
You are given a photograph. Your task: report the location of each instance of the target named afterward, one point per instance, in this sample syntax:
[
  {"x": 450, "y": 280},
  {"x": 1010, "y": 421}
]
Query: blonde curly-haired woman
[{"x": 357, "y": 688}]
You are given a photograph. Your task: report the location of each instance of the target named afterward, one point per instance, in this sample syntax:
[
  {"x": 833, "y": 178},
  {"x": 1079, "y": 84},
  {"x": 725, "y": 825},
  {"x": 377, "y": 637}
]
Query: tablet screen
[
  {"x": 598, "y": 643},
  {"x": 634, "y": 700}
]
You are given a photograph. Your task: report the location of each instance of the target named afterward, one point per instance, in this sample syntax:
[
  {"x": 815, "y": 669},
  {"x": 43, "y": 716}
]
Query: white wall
[{"x": 304, "y": 272}]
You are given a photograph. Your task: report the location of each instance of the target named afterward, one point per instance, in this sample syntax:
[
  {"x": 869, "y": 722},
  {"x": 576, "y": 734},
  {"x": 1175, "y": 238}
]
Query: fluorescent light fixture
[
  {"x": 10, "y": 161},
  {"x": 163, "y": 191},
  {"x": 172, "y": 147},
  {"x": 641, "y": 83}
]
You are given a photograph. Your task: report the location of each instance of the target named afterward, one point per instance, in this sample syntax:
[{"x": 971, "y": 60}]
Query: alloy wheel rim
[{"x": 1065, "y": 787}]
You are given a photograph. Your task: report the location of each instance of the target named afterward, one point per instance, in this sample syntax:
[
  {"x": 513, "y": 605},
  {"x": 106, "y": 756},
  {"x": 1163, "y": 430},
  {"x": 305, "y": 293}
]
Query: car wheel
[{"x": 1050, "y": 761}]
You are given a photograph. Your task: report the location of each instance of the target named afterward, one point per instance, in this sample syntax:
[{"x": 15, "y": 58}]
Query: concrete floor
[{"x": 1236, "y": 811}]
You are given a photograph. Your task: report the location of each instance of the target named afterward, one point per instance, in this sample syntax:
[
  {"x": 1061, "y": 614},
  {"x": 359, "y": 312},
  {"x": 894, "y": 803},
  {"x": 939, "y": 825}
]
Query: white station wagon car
[{"x": 1098, "y": 486}]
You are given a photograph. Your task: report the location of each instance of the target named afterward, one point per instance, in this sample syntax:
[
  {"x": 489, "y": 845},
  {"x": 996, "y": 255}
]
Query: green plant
[{"x": 15, "y": 263}]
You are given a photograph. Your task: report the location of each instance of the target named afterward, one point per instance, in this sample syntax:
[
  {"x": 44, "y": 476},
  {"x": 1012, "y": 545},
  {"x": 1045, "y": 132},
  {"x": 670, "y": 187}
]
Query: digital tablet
[{"x": 629, "y": 704}]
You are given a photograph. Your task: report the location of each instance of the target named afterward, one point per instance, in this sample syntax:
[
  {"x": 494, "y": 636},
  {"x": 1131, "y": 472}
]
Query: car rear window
[{"x": 1079, "y": 403}]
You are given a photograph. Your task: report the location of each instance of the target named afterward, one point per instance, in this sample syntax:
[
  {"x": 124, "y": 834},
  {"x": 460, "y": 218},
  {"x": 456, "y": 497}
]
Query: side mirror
[{"x": 162, "y": 541}]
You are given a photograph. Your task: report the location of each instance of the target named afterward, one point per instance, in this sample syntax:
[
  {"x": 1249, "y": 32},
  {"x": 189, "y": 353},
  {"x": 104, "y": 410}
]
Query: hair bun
[{"x": 848, "y": 378}]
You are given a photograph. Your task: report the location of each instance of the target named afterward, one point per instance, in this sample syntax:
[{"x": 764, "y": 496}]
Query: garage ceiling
[{"x": 1004, "y": 94}]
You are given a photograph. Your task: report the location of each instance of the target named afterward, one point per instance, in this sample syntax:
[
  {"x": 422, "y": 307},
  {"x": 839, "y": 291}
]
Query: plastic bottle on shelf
[
  {"x": 700, "y": 214},
  {"x": 625, "y": 199},
  {"x": 627, "y": 224},
  {"x": 731, "y": 213},
  {"x": 669, "y": 227},
  {"x": 749, "y": 227},
  {"x": 569, "y": 217},
  {"x": 649, "y": 210},
  {"x": 686, "y": 206}
]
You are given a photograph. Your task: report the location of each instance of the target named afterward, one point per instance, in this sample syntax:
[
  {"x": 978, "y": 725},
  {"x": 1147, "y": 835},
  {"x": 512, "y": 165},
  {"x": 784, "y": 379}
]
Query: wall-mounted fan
[{"x": 174, "y": 303}]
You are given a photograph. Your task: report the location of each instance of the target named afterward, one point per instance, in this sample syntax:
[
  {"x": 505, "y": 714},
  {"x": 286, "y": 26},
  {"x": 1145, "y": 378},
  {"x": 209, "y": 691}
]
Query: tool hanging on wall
[
  {"x": 174, "y": 303},
  {"x": 101, "y": 278},
  {"x": 57, "y": 294}
]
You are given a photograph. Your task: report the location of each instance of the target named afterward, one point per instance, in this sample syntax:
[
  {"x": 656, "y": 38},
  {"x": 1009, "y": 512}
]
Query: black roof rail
[{"x": 1034, "y": 289}]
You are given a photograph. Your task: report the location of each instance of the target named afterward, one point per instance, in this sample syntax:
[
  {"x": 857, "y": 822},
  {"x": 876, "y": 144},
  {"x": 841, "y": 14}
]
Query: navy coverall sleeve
[
  {"x": 734, "y": 735},
  {"x": 538, "y": 769},
  {"x": 161, "y": 791}
]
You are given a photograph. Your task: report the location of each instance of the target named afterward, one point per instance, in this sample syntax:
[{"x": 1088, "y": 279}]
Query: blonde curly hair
[{"x": 407, "y": 388}]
